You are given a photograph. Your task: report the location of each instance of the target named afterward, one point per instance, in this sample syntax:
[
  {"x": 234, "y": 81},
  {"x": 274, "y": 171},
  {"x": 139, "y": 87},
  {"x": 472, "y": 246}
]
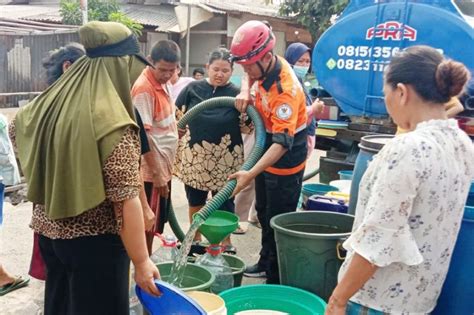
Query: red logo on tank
[{"x": 392, "y": 30}]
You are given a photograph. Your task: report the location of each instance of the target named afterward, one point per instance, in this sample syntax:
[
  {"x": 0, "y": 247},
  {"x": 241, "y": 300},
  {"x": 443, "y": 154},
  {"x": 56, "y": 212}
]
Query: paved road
[{"x": 16, "y": 246}]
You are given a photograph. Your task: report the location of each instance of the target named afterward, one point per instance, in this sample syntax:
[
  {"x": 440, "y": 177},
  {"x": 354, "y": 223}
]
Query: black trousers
[
  {"x": 86, "y": 275},
  {"x": 274, "y": 194},
  {"x": 197, "y": 197}
]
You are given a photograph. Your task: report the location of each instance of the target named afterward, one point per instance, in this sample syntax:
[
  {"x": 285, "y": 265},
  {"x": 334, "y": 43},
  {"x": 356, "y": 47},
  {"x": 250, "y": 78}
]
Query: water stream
[{"x": 177, "y": 271}]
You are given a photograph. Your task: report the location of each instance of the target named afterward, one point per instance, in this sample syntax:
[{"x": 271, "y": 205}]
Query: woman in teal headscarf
[{"x": 79, "y": 149}]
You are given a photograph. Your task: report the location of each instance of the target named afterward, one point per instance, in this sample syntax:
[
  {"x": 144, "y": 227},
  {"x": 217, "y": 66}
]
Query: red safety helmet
[{"x": 251, "y": 42}]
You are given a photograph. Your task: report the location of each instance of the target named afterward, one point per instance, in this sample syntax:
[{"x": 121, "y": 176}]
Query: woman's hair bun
[{"x": 451, "y": 76}]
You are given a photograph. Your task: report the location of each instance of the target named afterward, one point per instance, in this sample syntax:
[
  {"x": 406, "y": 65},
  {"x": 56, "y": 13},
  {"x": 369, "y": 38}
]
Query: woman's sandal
[
  {"x": 229, "y": 249},
  {"x": 18, "y": 283},
  {"x": 256, "y": 224},
  {"x": 240, "y": 230}
]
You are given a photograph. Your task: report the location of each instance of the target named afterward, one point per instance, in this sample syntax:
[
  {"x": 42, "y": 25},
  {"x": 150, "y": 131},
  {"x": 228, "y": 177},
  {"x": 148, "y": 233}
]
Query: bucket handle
[{"x": 340, "y": 251}]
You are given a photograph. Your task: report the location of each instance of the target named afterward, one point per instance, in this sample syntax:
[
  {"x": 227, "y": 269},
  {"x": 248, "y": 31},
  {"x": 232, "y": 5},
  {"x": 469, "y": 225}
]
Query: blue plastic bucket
[
  {"x": 457, "y": 295},
  {"x": 171, "y": 301},
  {"x": 347, "y": 174},
  {"x": 369, "y": 147}
]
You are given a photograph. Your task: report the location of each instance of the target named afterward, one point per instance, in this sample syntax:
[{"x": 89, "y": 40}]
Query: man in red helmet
[{"x": 280, "y": 100}]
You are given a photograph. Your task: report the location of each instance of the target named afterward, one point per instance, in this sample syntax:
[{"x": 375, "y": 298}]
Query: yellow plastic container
[
  {"x": 211, "y": 303},
  {"x": 339, "y": 195}
]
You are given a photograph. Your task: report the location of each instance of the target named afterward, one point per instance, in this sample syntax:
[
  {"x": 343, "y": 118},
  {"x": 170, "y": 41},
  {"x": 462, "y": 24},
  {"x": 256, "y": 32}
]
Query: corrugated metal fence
[{"x": 20, "y": 62}]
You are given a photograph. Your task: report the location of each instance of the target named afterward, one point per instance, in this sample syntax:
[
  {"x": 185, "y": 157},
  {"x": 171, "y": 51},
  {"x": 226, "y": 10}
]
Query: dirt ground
[{"x": 16, "y": 246}]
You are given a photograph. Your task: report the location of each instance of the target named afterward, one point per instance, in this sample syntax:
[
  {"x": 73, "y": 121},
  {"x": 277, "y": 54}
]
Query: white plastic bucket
[{"x": 211, "y": 303}]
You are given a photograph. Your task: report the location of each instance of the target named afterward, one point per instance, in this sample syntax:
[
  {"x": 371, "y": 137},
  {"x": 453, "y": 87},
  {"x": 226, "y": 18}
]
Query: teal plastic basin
[
  {"x": 317, "y": 189},
  {"x": 346, "y": 174},
  {"x": 273, "y": 298}
]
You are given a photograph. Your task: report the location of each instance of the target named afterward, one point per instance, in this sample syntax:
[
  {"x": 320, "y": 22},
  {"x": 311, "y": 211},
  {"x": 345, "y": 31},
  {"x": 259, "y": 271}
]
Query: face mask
[{"x": 300, "y": 71}]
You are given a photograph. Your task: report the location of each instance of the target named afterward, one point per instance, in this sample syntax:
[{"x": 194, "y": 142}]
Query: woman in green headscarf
[{"x": 79, "y": 148}]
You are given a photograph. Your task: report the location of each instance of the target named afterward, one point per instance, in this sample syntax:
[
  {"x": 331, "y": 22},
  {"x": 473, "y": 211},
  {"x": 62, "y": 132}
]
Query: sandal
[
  {"x": 256, "y": 224},
  {"x": 198, "y": 248},
  {"x": 230, "y": 249},
  {"x": 240, "y": 230},
  {"x": 18, "y": 283},
  {"x": 203, "y": 243}
]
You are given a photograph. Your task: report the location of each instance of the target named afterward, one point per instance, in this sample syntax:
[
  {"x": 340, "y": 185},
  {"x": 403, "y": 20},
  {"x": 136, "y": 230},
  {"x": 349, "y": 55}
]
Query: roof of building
[
  {"x": 210, "y": 9},
  {"x": 16, "y": 26},
  {"x": 49, "y": 12},
  {"x": 248, "y": 6},
  {"x": 161, "y": 16}
]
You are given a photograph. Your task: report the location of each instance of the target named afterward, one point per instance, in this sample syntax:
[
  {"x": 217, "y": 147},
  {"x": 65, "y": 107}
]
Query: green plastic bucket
[
  {"x": 196, "y": 278},
  {"x": 309, "y": 246},
  {"x": 238, "y": 267},
  {"x": 272, "y": 298}
]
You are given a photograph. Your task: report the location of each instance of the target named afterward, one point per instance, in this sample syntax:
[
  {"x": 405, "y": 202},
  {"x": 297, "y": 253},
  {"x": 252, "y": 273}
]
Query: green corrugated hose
[
  {"x": 257, "y": 152},
  {"x": 311, "y": 175}
]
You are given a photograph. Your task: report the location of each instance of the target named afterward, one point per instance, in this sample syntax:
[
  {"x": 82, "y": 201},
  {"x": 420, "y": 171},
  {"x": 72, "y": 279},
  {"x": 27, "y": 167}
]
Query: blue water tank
[
  {"x": 369, "y": 147},
  {"x": 350, "y": 57},
  {"x": 457, "y": 295}
]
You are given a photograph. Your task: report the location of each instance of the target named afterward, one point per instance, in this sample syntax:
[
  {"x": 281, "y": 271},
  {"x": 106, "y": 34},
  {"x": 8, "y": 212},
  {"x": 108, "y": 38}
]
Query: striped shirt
[{"x": 153, "y": 102}]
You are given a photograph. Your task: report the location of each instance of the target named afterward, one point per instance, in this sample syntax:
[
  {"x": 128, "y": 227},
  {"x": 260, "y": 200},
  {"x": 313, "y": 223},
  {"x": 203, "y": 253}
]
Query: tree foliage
[
  {"x": 315, "y": 15},
  {"x": 121, "y": 17},
  {"x": 97, "y": 10},
  {"x": 100, "y": 10},
  {"x": 70, "y": 12}
]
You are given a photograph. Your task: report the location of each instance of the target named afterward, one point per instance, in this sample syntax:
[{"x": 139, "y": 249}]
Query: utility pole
[
  {"x": 85, "y": 18},
  {"x": 188, "y": 38}
]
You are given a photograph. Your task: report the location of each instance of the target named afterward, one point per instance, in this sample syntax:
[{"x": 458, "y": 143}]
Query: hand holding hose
[
  {"x": 242, "y": 100},
  {"x": 243, "y": 179}
]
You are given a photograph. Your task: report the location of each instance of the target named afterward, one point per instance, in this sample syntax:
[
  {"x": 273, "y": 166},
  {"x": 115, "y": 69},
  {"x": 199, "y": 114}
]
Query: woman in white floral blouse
[{"x": 412, "y": 197}]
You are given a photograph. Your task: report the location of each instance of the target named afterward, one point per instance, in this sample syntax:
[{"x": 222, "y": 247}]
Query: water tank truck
[{"x": 350, "y": 57}]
